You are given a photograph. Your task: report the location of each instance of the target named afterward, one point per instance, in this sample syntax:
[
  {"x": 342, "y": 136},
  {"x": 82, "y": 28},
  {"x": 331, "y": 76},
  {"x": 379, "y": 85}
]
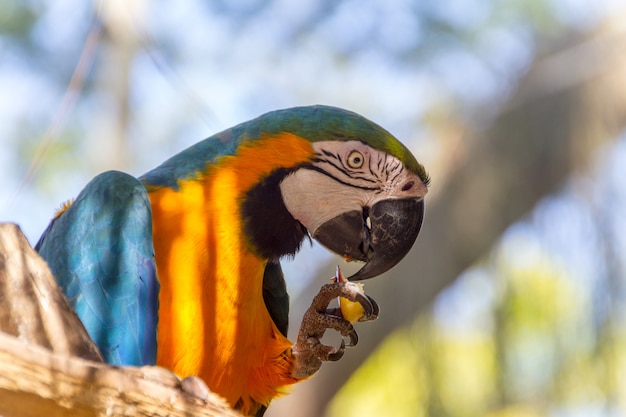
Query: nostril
[{"x": 407, "y": 186}]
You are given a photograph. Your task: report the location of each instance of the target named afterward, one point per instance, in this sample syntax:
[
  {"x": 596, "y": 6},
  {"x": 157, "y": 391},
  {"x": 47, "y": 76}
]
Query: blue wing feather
[{"x": 100, "y": 251}]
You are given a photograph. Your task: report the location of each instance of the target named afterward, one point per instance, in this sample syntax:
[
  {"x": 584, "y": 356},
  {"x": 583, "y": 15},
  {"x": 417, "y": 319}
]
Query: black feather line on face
[
  {"x": 271, "y": 229},
  {"x": 330, "y": 154},
  {"x": 336, "y": 162},
  {"x": 341, "y": 166},
  {"x": 328, "y": 174}
]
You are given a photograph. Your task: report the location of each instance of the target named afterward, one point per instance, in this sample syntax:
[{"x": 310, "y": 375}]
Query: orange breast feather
[{"x": 213, "y": 322}]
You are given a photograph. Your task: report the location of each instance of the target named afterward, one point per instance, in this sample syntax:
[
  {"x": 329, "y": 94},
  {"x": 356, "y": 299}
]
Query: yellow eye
[{"x": 355, "y": 159}]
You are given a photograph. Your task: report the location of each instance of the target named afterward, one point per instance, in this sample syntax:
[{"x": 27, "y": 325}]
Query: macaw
[{"x": 180, "y": 267}]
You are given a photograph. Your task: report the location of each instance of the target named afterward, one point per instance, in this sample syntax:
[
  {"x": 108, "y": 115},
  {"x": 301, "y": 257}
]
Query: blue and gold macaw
[{"x": 180, "y": 268}]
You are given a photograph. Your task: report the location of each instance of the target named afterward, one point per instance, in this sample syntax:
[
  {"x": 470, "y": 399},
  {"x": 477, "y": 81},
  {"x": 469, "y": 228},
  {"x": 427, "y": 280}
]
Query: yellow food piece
[{"x": 351, "y": 310}]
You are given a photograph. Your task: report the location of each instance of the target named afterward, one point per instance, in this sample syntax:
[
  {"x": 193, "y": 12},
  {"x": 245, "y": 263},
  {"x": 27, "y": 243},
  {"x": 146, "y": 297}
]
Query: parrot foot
[{"x": 309, "y": 352}]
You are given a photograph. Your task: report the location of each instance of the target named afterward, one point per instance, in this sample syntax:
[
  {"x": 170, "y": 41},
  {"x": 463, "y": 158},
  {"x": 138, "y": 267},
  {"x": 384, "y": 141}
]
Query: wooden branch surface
[
  {"x": 32, "y": 306},
  {"x": 41, "y": 339},
  {"x": 37, "y": 382}
]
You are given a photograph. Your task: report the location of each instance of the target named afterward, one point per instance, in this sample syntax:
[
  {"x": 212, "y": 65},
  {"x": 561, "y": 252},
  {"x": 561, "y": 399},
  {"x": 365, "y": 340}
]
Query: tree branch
[{"x": 49, "y": 365}]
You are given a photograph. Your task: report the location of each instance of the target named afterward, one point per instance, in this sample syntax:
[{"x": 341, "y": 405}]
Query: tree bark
[
  {"x": 50, "y": 367},
  {"x": 32, "y": 306},
  {"x": 570, "y": 103},
  {"x": 35, "y": 382}
]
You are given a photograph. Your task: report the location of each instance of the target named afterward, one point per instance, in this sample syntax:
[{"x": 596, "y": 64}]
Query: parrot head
[
  {"x": 360, "y": 194},
  {"x": 360, "y": 201}
]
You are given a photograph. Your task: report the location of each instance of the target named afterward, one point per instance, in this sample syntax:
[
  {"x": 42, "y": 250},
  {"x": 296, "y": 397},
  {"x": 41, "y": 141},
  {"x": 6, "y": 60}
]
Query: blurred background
[{"x": 512, "y": 302}]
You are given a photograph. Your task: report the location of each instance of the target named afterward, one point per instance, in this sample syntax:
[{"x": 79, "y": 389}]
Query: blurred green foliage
[{"x": 529, "y": 362}]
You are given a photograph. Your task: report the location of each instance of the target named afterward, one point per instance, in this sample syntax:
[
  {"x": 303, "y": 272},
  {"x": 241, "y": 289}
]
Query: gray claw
[
  {"x": 333, "y": 357},
  {"x": 373, "y": 315},
  {"x": 354, "y": 339},
  {"x": 369, "y": 305}
]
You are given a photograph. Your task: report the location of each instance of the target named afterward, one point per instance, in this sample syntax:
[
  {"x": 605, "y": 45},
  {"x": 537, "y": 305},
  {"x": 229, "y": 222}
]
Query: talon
[
  {"x": 368, "y": 305},
  {"x": 376, "y": 308},
  {"x": 354, "y": 338},
  {"x": 373, "y": 313},
  {"x": 335, "y": 312},
  {"x": 355, "y": 305},
  {"x": 333, "y": 357}
]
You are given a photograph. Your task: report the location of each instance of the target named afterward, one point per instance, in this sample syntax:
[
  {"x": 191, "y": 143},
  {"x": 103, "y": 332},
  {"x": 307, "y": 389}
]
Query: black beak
[{"x": 380, "y": 235}]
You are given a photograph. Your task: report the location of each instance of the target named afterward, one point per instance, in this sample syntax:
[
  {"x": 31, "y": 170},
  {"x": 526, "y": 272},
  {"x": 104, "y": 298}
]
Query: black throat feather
[{"x": 272, "y": 230}]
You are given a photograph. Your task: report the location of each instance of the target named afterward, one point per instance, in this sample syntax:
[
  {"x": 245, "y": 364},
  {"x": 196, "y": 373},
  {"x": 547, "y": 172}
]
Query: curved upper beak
[{"x": 380, "y": 235}]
